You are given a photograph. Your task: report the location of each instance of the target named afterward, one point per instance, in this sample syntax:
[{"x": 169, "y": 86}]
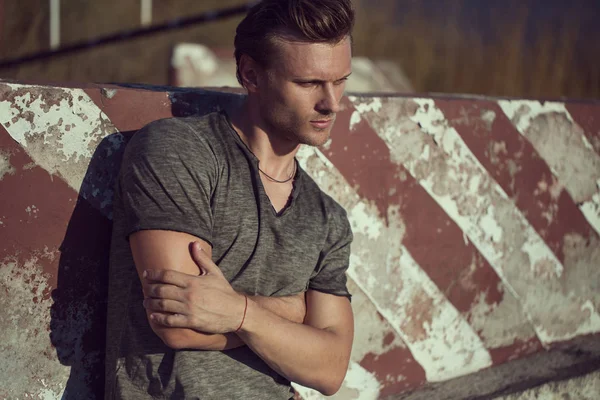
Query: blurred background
[{"x": 523, "y": 48}]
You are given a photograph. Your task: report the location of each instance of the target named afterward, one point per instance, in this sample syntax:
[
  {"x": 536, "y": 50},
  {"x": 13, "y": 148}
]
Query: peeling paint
[
  {"x": 38, "y": 116},
  {"x": 355, "y": 119},
  {"x": 445, "y": 174},
  {"x": 106, "y": 92},
  {"x": 5, "y": 166},
  {"x": 583, "y": 277},
  {"x": 523, "y": 112},
  {"x": 497, "y": 324},
  {"x": 374, "y": 335},
  {"x": 32, "y": 211},
  {"x": 25, "y": 323},
  {"x": 564, "y": 147},
  {"x": 443, "y": 343},
  {"x": 488, "y": 116},
  {"x": 418, "y": 317},
  {"x": 359, "y": 384}
]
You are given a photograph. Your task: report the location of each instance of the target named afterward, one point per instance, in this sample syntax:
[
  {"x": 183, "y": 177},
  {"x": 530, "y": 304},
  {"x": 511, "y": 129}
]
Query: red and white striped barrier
[{"x": 475, "y": 265}]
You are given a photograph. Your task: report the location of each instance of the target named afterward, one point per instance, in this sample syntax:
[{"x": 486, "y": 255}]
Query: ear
[{"x": 249, "y": 72}]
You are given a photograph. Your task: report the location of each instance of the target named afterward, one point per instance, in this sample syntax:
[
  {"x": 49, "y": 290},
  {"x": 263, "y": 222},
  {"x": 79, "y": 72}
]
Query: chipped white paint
[
  {"x": 371, "y": 333},
  {"x": 60, "y": 139},
  {"x": 523, "y": 112},
  {"x": 6, "y": 167},
  {"x": 25, "y": 326},
  {"x": 488, "y": 116},
  {"x": 373, "y": 104},
  {"x": 499, "y": 324},
  {"x": 360, "y": 381},
  {"x": 438, "y": 337},
  {"x": 354, "y": 119},
  {"x": 372, "y": 229},
  {"x": 565, "y": 149},
  {"x": 359, "y": 384},
  {"x": 445, "y": 175},
  {"x": 109, "y": 93},
  {"x": 591, "y": 209},
  {"x": 32, "y": 211}
]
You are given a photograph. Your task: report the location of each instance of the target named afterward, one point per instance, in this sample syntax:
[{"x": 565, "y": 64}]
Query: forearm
[
  {"x": 289, "y": 307},
  {"x": 316, "y": 358},
  {"x": 186, "y": 338}
]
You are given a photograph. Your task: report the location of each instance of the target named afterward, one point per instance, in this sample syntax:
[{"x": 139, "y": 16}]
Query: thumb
[{"x": 203, "y": 261}]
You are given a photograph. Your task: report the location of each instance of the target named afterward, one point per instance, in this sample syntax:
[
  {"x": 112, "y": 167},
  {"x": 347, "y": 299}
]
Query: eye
[
  {"x": 340, "y": 82},
  {"x": 306, "y": 84}
]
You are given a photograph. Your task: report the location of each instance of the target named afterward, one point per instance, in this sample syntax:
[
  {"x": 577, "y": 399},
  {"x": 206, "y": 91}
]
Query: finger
[
  {"x": 168, "y": 276},
  {"x": 171, "y": 320},
  {"x": 203, "y": 261},
  {"x": 162, "y": 291},
  {"x": 165, "y": 306}
]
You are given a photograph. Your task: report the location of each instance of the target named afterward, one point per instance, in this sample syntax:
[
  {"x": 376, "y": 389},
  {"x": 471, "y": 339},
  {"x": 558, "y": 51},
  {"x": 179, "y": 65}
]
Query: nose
[{"x": 330, "y": 102}]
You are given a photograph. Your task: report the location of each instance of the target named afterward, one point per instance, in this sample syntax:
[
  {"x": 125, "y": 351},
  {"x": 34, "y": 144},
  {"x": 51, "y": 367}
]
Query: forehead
[{"x": 323, "y": 61}]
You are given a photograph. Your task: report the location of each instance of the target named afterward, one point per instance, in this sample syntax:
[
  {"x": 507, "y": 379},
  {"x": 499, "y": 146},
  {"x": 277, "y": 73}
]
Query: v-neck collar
[{"x": 297, "y": 181}]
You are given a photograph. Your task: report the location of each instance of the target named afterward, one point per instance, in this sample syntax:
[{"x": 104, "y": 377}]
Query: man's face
[{"x": 300, "y": 91}]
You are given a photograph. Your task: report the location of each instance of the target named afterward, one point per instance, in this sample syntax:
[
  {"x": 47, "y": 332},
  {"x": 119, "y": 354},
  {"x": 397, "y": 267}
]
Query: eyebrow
[{"x": 299, "y": 79}]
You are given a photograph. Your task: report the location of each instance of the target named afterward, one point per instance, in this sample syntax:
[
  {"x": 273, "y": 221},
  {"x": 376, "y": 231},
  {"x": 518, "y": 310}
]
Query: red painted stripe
[
  {"x": 432, "y": 238},
  {"x": 515, "y": 165},
  {"x": 587, "y": 116},
  {"x": 387, "y": 367},
  {"x": 129, "y": 109},
  {"x": 23, "y": 233}
]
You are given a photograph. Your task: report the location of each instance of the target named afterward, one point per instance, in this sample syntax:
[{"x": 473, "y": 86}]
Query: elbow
[
  {"x": 331, "y": 388},
  {"x": 331, "y": 383}
]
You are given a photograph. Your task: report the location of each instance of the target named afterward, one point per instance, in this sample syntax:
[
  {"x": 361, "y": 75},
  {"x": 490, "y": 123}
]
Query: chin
[{"x": 315, "y": 138}]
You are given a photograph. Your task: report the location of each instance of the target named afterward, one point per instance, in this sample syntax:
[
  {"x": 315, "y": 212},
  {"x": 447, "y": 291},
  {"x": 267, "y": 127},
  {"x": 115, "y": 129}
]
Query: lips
[{"x": 322, "y": 123}]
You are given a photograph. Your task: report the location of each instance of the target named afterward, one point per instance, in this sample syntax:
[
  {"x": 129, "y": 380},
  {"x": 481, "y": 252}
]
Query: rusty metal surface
[{"x": 476, "y": 227}]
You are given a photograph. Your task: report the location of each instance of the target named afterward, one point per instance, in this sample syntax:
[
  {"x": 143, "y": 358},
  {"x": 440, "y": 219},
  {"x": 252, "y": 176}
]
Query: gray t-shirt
[{"x": 196, "y": 175}]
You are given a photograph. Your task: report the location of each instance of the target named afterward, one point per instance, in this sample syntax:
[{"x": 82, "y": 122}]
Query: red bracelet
[{"x": 244, "y": 317}]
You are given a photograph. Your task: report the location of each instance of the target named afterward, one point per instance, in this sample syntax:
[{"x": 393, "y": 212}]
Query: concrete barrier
[{"x": 475, "y": 267}]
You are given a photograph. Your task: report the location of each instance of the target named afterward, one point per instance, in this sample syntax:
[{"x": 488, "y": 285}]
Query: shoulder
[
  {"x": 175, "y": 136},
  {"x": 175, "y": 131}
]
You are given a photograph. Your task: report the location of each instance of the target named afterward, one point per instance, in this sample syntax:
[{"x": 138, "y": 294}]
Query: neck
[{"x": 275, "y": 152}]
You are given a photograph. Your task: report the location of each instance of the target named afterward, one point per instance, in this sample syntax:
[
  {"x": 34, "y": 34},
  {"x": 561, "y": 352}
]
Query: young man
[{"x": 228, "y": 262}]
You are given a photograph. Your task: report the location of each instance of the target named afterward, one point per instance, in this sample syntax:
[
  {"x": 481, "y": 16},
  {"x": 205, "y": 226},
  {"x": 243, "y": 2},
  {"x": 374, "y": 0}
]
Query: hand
[{"x": 206, "y": 303}]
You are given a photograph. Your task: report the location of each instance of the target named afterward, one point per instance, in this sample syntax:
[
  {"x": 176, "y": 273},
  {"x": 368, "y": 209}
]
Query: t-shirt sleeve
[
  {"x": 330, "y": 274},
  {"x": 167, "y": 179}
]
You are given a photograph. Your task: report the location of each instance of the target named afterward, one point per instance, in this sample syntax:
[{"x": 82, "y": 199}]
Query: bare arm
[
  {"x": 315, "y": 354},
  {"x": 162, "y": 250}
]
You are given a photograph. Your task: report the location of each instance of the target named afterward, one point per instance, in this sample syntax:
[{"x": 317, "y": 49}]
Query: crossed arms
[{"x": 306, "y": 338}]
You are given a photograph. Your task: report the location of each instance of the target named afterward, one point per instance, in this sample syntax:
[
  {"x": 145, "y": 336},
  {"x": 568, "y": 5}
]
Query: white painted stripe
[
  {"x": 573, "y": 158},
  {"x": 439, "y": 338},
  {"x": 54, "y": 24},
  {"x": 61, "y": 138},
  {"x": 591, "y": 209},
  {"x": 453, "y": 176},
  {"x": 146, "y": 12}
]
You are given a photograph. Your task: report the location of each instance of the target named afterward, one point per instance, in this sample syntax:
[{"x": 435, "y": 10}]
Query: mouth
[{"x": 322, "y": 123}]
